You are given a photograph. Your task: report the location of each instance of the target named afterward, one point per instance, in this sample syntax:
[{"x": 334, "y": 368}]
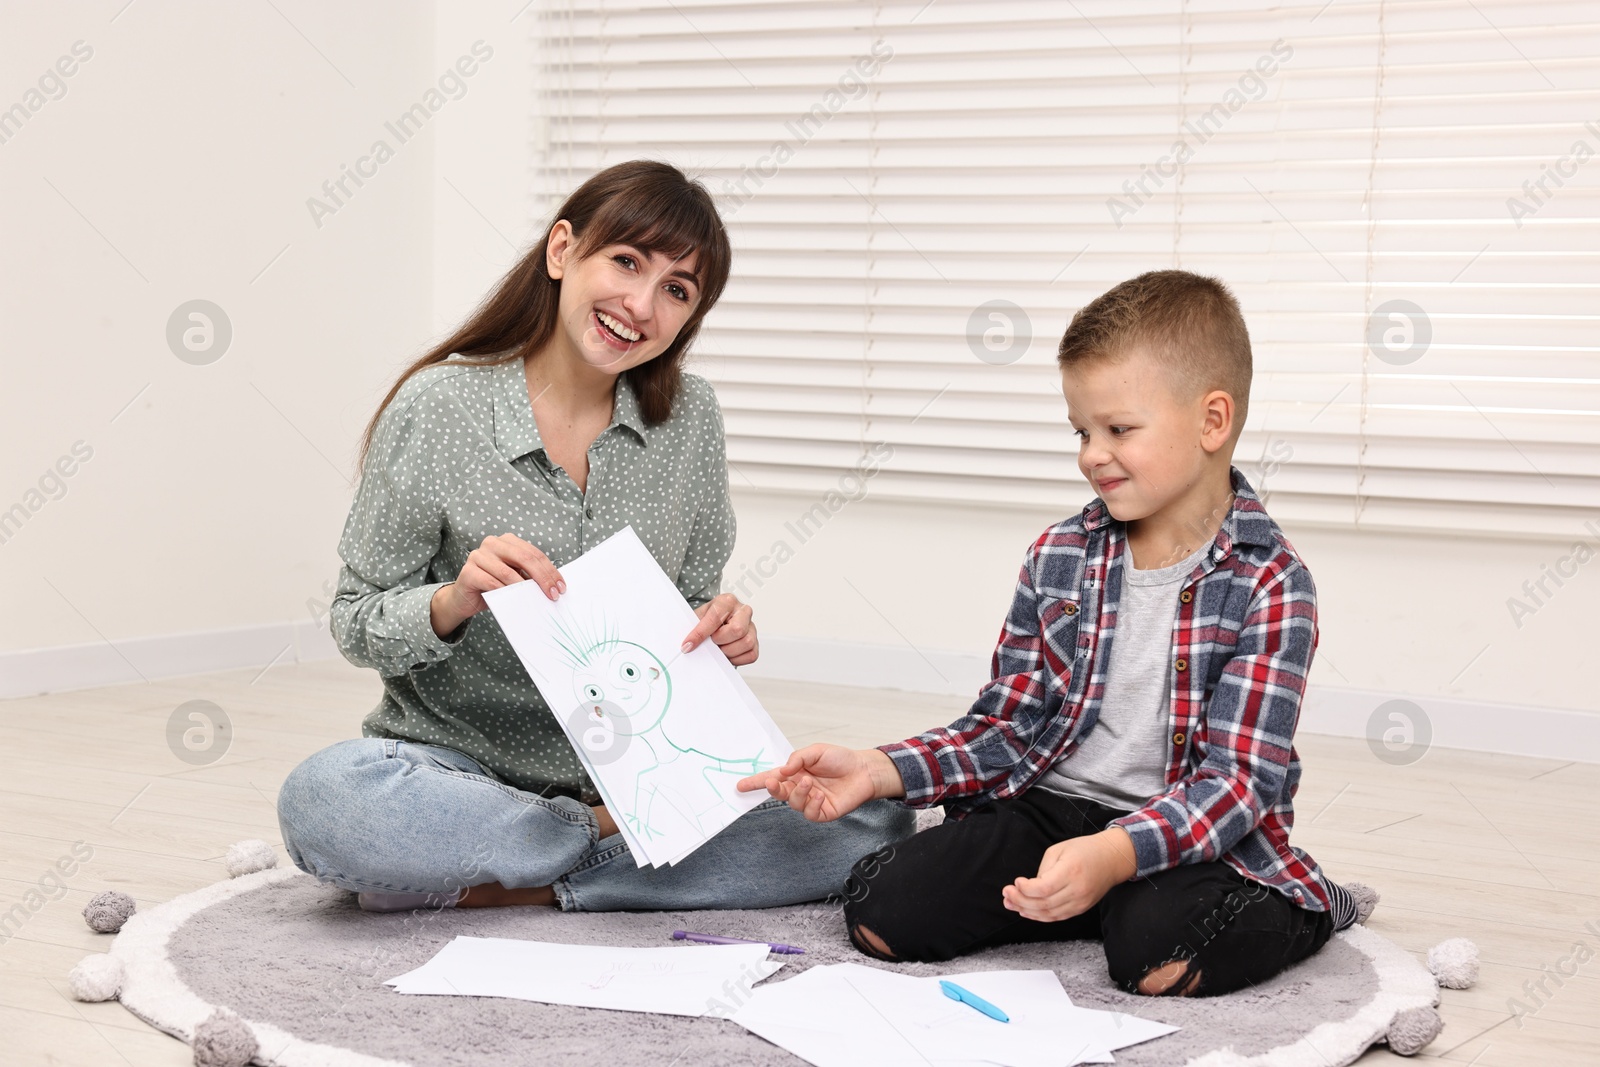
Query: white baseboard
[
  {"x": 1548, "y": 733},
  {"x": 1504, "y": 729},
  {"x": 27, "y": 672}
]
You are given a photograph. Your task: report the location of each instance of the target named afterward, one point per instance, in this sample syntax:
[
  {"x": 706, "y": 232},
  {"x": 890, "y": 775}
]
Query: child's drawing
[
  {"x": 664, "y": 734},
  {"x": 623, "y": 719}
]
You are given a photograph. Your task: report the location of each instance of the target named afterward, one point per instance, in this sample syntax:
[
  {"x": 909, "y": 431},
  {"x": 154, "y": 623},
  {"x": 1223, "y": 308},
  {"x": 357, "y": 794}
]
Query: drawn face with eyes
[{"x": 626, "y": 682}]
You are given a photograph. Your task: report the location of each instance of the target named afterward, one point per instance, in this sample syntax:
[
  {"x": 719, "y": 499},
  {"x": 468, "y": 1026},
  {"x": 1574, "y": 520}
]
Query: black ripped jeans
[{"x": 936, "y": 896}]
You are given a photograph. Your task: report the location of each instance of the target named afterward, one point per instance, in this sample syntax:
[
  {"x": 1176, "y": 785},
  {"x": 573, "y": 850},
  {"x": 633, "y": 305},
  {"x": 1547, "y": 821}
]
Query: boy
[{"x": 1128, "y": 771}]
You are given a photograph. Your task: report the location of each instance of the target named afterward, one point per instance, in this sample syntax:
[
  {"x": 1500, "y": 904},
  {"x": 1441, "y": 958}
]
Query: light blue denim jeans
[{"x": 377, "y": 815}]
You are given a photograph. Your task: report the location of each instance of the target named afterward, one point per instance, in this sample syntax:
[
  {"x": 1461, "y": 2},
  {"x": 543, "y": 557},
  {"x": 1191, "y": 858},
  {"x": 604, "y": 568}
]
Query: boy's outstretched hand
[
  {"x": 1073, "y": 876},
  {"x": 824, "y": 782}
]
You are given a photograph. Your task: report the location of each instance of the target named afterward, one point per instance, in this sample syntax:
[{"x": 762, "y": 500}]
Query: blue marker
[{"x": 955, "y": 992}]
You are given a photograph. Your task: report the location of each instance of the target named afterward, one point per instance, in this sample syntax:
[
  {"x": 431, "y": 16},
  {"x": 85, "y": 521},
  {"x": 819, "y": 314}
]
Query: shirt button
[
  {"x": 588, "y": 513},
  {"x": 1177, "y": 739},
  {"x": 1186, "y": 596},
  {"x": 1070, "y": 609},
  {"x": 1182, "y": 665}
]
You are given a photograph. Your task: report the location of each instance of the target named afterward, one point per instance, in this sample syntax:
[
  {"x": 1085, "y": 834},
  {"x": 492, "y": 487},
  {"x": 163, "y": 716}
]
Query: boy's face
[{"x": 1142, "y": 443}]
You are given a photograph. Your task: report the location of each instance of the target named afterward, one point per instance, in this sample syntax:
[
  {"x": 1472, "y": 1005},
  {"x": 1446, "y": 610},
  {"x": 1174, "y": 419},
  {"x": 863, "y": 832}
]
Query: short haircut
[{"x": 1191, "y": 324}]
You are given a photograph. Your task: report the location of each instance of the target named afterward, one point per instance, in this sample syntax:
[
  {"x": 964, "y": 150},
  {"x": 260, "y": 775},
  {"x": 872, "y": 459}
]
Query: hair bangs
[{"x": 666, "y": 222}]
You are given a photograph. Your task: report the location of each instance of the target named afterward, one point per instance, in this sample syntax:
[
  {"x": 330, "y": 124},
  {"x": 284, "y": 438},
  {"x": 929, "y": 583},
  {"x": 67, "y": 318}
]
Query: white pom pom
[
  {"x": 96, "y": 978},
  {"x": 248, "y": 857},
  {"x": 1454, "y": 963}
]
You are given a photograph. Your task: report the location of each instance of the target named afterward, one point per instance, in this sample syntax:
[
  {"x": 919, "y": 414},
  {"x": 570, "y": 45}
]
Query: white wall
[
  {"x": 191, "y": 141},
  {"x": 483, "y": 197},
  {"x": 178, "y": 166}
]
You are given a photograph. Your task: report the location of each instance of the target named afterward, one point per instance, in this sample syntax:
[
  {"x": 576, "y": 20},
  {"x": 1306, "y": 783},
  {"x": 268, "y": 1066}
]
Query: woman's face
[{"x": 619, "y": 306}]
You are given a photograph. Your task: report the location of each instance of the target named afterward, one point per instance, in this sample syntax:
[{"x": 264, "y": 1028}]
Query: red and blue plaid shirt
[{"x": 1243, "y": 639}]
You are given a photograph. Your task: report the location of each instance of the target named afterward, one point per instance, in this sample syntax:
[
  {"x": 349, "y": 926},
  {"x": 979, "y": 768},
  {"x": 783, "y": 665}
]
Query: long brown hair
[{"x": 649, "y": 205}]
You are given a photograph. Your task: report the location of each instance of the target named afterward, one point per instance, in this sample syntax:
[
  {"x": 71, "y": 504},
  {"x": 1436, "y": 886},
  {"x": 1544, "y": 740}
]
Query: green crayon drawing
[{"x": 623, "y": 717}]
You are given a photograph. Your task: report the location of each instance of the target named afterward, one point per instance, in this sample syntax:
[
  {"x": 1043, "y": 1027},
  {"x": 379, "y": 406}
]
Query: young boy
[{"x": 1128, "y": 772}]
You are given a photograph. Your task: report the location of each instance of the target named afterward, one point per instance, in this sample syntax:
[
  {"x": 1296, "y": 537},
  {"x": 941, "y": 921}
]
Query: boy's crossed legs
[{"x": 1195, "y": 930}]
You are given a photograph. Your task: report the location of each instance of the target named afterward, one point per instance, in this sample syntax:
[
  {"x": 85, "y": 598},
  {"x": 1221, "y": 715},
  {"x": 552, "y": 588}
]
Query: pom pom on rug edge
[
  {"x": 224, "y": 1040},
  {"x": 248, "y": 857},
  {"x": 1454, "y": 962},
  {"x": 96, "y": 977},
  {"x": 1412, "y": 1030},
  {"x": 1366, "y": 899},
  {"x": 108, "y": 910}
]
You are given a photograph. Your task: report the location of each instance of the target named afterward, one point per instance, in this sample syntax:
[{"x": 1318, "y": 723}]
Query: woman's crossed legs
[{"x": 377, "y": 815}]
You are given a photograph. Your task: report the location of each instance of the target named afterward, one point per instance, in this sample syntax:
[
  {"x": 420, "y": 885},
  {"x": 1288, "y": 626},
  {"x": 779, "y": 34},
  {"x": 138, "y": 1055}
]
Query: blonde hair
[{"x": 1190, "y": 323}]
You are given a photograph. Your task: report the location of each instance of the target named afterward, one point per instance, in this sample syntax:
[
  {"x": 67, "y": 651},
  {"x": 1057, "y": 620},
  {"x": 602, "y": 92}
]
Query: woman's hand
[
  {"x": 498, "y": 562},
  {"x": 824, "y": 781},
  {"x": 1073, "y": 876},
  {"x": 727, "y": 622}
]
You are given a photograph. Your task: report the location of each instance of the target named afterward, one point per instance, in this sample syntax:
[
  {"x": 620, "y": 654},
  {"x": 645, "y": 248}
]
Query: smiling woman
[
  {"x": 631, "y": 209},
  {"x": 557, "y": 415}
]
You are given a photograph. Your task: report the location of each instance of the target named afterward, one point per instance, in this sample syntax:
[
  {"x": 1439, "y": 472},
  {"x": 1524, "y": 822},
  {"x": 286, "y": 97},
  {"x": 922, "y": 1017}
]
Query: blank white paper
[
  {"x": 671, "y": 980},
  {"x": 840, "y": 1014}
]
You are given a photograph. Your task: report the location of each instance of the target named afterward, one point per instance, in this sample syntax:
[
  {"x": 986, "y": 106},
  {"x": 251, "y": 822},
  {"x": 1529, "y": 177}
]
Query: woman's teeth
[{"x": 617, "y": 327}]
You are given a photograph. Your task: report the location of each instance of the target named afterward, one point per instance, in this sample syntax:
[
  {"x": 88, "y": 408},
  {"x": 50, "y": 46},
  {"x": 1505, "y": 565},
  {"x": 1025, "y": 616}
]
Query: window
[{"x": 1404, "y": 196}]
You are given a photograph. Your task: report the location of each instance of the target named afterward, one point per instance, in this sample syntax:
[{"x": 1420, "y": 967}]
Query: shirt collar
[
  {"x": 516, "y": 431},
  {"x": 1247, "y": 521},
  {"x": 625, "y": 410}
]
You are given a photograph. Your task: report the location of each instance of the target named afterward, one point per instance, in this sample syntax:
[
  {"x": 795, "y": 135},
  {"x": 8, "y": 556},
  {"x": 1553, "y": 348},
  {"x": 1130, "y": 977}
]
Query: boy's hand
[
  {"x": 1073, "y": 876},
  {"x": 824, "y": 782}
]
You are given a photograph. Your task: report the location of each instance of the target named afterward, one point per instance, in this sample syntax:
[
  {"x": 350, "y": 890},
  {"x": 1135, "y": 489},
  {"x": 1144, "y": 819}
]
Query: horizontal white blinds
[{"x": 1335, "y": 158}]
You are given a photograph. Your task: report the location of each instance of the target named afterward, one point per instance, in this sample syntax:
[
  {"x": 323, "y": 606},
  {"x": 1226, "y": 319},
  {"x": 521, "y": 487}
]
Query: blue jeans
[{"x": 372, "y": 814}]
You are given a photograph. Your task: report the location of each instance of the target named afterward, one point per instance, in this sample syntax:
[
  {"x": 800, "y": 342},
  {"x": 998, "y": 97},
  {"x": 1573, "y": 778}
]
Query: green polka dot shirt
[{"x": 456, "y": 457}]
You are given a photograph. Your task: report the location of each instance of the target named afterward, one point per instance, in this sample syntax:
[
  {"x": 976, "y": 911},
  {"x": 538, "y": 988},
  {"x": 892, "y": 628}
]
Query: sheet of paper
[
  {"x": 829, "y": 1014},
  {"x": 1041, "y": 1031},
  {"x": 1114, "y": 1029},
  {"x": 671, "y": 980},
  {"x": 819, "y": 1018},
  {"x": 663, "y": 735}
]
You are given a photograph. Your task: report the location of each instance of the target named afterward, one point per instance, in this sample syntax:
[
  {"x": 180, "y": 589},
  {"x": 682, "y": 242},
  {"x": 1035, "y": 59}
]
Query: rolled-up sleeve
[
  {"x": 1248, "y": 738},
  {"x": 380, "y": 616}
]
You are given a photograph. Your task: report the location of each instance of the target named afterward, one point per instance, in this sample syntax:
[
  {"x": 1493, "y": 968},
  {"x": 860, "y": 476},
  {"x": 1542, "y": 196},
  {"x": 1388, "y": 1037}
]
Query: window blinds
[{"x": 1403, "y": 196}]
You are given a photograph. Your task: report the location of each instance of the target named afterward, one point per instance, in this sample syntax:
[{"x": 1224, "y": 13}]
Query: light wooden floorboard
[{"x": 1499, "y": 849}]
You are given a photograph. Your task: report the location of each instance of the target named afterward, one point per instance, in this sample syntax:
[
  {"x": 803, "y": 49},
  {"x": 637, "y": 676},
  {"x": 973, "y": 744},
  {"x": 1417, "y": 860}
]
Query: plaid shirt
[{"x": 1243, "y": 640}]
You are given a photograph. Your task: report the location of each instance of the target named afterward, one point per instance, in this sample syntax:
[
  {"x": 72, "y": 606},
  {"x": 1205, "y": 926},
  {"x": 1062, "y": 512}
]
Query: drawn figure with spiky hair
[{"x": 624, "y": 694}]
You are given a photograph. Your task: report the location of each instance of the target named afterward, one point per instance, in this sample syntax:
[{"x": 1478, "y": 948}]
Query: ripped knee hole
[
  {"x": 1174, "y": 978},
  {"x": 870, "y": 943}
]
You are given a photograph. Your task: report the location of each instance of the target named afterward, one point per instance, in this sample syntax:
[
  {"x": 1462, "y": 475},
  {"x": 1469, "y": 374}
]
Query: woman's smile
[{"x": 617, "y": 330}]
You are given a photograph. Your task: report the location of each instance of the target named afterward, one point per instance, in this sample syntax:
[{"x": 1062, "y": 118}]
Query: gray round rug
[{"x": 305, "y": 968}]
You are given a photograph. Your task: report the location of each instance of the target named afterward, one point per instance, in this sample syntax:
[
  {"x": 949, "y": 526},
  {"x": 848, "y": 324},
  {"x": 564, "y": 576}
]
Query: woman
[{"x": 556, "y": 416}]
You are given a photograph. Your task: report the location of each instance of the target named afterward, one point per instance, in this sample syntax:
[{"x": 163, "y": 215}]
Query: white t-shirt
[{"x": 1122, "y": 761}]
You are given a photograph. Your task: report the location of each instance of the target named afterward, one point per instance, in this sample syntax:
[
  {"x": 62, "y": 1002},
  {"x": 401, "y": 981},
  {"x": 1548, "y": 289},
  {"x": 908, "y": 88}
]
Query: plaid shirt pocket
[{"x": 1059, "y": 622}]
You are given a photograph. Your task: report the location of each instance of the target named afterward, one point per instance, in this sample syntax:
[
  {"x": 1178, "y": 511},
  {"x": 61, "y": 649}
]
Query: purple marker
[{"x": 713, "y": 939}]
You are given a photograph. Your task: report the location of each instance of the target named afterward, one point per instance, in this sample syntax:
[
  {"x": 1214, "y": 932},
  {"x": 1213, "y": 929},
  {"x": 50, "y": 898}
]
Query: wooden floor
[{"x": 1499, "y": 849}]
